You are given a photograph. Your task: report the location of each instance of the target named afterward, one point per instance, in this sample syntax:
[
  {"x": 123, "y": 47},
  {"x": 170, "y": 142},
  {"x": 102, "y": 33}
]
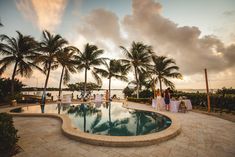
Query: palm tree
[
  {"x": 117, "y": 127},
  {"x": 139, "y": 57},
  {"x": 66, "y": 60},
  {"x": 83, "y": 110},
  {"x": 164, "y": 68},
  {"x": 1, "y": 25},
  {"x": 50, "y": 48},
  {"x": 116, "y": 69},
  {"x": 145, "y": 80},
  {"x": 89, "y": 58},
  {"x": 18, "y": 51}
]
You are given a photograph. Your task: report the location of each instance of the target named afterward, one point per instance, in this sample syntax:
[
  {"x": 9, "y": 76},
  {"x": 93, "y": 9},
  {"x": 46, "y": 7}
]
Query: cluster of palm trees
[{"x": 26, "y": 54}]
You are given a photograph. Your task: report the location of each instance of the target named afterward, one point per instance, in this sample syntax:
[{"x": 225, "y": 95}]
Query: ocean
[{"x": 118, "y": 92}]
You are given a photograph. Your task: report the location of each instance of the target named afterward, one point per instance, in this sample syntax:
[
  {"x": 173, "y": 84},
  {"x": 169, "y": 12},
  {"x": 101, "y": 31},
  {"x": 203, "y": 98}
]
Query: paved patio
[{"x": 201, "y": 136}]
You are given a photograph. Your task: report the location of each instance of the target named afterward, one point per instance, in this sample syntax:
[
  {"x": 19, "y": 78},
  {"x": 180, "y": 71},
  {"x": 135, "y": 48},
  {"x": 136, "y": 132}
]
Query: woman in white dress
[{"x": 159, "y": 99}]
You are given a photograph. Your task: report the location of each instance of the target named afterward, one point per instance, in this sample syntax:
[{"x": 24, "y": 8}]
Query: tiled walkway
[{"x": 201, "y": 136}]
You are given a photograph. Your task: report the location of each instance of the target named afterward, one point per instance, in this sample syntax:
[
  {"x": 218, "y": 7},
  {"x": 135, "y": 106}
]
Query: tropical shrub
[
  {"x": 5, "y": 90},
  {"x": 128, "y": 92},
  {"x": 8, "y": 136},
  {"x": 226, "y": 91},
  {"x": 140, "y": 100},
  {"x": 219, "y": 102},
  {"x": 80, "y": 86},
  {"x": 146, "y": 94}
]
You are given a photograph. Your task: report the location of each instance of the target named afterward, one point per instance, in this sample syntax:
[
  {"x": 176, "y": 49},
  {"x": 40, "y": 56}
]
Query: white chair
[
  {"x": 66, "y": 99},
  {"x": 98, "y": 98}
]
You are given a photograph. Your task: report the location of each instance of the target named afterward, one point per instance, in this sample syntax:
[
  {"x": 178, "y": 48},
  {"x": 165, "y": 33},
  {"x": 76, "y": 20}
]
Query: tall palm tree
[
  {"x": 1, "y": 25},
  {"x": 139, "y": 57},
  {"x": 50, "y": 48},
  {"x": 165, "y": 68},
  {"x": 116, "y": 69},
  {"x": 88, "y": 59},
  {"x": 66, "y": 60},
  {"x": 83, "y": 110},
  {"x": 18, "y": 51}
]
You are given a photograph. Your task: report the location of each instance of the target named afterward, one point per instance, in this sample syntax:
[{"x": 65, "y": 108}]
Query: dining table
[{"x": 174, "y": 105}]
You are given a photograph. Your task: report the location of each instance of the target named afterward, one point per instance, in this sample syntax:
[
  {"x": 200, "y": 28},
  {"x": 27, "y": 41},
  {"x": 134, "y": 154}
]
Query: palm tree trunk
[
  {"x": 13, "y": 79},
  {"x": 109, "y": 113},
  {"x": 160, "y": 82},
  {"x": 137, "y": 124},
  {"x": 109, "y": 88},
  {"x": 45, "y": 86},
  {"x": 61, "y": 77},
  {"x": 85, "y": 81},
  {"x": 137, "y": 81},
  {"x": 153, "y": 88},
  {"x": 84, "y": 118}
]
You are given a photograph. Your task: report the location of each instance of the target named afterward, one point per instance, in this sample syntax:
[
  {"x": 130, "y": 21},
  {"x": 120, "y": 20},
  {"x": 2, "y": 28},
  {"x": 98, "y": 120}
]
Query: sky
[{"x": 196, "y": 34}]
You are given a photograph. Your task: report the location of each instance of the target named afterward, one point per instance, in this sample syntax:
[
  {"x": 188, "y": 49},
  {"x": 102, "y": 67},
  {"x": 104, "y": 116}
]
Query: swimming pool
[{"x": 106, "y": 118}]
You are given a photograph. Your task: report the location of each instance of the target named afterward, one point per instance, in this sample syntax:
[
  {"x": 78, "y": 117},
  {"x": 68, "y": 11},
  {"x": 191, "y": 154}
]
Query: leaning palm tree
[
  {"x": 18, "y": 51},
  {"x": 88, "y": 59},
  {"x": 83, "y": 110},
  {"x": 50, "y": 47},
  {"x": 165, "y": 68},
  {"x": 139, "y": 57},
  {"x": 116, "y": 69},
  {"x": 1, "y": 25},
  {"x": 66, "y": 60}
]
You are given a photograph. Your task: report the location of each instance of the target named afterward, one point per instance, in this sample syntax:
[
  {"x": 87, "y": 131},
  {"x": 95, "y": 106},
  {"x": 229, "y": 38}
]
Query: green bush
[
  {"x": 219, "y": 102},
  {"x": 128, "y": 92},
  {"x": 5, "y": 90},
  {"x": 140, "y": 100},
  {"x": 146, "y": 94},
  {"x": 8, "y": 136}
]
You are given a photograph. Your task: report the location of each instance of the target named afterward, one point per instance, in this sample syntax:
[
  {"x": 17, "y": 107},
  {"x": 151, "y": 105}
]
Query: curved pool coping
[{"x": 103, "y": 140}]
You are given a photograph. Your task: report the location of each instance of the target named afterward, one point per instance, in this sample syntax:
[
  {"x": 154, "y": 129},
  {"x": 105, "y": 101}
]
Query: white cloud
[
  {"x": 45, "y": 14},
  {"x": 184, "y": 44}
]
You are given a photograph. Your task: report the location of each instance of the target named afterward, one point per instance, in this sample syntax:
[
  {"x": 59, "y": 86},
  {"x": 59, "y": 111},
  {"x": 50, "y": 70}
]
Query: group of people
[{"x": 157, "y": 101}]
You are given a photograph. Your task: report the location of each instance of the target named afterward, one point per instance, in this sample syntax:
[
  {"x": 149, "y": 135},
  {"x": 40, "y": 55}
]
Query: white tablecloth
[
  {"x": 98, "y": 98},
  {"x": 174, "y": 105},
  {"x": 158, "y": 101},
  {"x": 67, "y": 98}
]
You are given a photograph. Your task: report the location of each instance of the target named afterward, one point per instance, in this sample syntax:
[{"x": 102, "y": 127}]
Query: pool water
[{"x": 106, "y": 118}]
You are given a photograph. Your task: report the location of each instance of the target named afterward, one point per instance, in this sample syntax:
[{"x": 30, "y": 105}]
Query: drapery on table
[
  {"x": 158, "y": 101},
  {"x": 67, "y": 98},
  {"x": 174, "y": 105}
]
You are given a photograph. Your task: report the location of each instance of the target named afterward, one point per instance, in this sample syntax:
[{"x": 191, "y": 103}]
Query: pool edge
[{"x": 114, "y": 141}]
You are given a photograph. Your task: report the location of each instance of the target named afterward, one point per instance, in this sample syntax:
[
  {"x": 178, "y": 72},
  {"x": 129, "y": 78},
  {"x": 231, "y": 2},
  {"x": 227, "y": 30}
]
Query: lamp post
[{"x": 207, "y": 92}]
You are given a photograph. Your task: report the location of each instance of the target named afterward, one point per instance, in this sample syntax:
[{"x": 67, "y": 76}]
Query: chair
[{"x": 66, "y": 99}]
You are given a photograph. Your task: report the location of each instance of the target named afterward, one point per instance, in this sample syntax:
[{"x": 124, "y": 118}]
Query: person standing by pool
[
  {"x": 107, "y": 95},
  {"x": 159, "y": 98},
  {"x": 167, "y": 99}
]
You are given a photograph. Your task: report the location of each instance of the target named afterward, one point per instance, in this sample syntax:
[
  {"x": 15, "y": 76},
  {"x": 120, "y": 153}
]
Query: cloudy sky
[{"x": 197, "y": 34}]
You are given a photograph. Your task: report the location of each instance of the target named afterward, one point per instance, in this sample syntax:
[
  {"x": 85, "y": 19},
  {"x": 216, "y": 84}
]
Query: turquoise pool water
[{"x": 106, "y": 118}]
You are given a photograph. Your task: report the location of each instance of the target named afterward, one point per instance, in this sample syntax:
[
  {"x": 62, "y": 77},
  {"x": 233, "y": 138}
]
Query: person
[
  {"x": 170, "y": 91},
  {"x": 159, "y": 98},
  {"x": 114, "y": 96},
  {"x": 167, "y": 99},
  {"x": 153, "y": 103},
  {"x": 107, "y": 95}
]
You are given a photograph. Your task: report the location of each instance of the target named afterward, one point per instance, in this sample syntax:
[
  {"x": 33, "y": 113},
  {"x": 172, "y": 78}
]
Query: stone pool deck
[{"x": 201, "y": 136}]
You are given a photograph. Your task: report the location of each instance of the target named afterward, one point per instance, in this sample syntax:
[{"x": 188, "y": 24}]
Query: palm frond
[
  {"x": 168, "y": 83},
  {"x": 102, "y": 72},
  {"x": 66, "y": 77},
  {"x": 97, "y": 78}
]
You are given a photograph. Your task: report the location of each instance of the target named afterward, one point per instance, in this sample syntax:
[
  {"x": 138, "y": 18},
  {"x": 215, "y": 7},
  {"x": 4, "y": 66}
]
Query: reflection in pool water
[{"x": 106, "y": 118}]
